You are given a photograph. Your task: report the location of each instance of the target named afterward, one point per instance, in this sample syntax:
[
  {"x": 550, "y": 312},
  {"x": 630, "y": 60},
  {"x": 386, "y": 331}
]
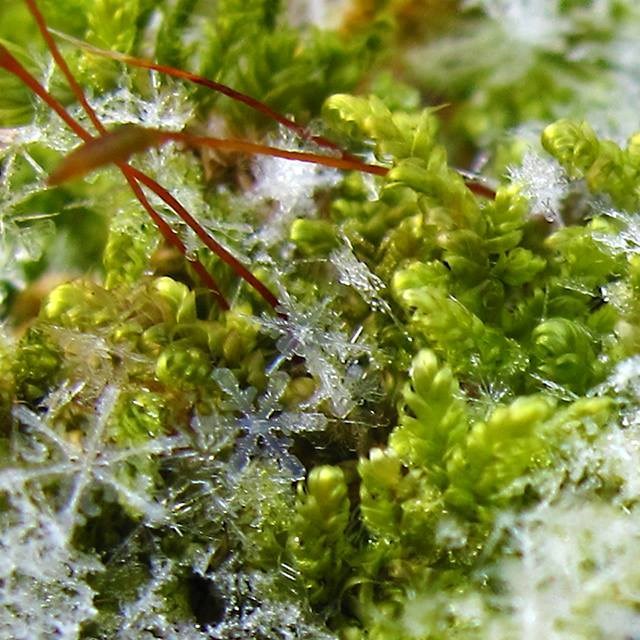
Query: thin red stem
[
  {"x": 11, "y": 64},
  {"x": 207, "y": 240},
  {"x": 173, "y": 238},
  {"x": 230, "y": 144},
  {"x": 473, "y": 185},
  {"x": 62, "y": 64},
  {"x": 133, "y": 174},
  {"x": 238, "y": 96}
]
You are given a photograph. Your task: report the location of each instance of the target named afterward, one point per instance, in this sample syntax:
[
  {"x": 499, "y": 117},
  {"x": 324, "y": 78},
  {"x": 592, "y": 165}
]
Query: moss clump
[{"x": 447, "y": 385}]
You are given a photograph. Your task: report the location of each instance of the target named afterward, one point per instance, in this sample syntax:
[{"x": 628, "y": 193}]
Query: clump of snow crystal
[
  {"x": 43, "y": 587},
  {"x": 289, "y": 185},
  {"x": 543, "y": 182},
  {"x": 574, "y": 573},
  {"x": 257, "y": 615}
]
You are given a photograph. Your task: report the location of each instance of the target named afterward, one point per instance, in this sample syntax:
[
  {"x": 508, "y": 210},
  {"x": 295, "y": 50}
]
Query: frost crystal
[
  {"x": 258, "y": 616},
  {"x": 356, "y": 274},
  {"x": 543, "y": 182},
  {"x": 145, "y": 619},
  {"x": 290, "y": 185},
  {"x": 311, "y": 334},
  {"x": 265, "y": 428},
  {"x": 42, "y": 577},
  {"x": 50, "y": 457},
  {"x": 23, "y": 237},
  {"x": 627, "y": 238}
]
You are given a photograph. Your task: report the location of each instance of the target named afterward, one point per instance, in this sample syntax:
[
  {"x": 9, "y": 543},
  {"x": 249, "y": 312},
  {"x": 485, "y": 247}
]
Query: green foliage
[
  {"x": 443, "y": 367},
  {"x": 317, "y": 543},
  {"x": 248, "y": 46},
  {"x": 606, "y": 167}
]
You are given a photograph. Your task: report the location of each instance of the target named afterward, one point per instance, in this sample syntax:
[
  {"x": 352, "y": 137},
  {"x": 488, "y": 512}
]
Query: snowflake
[
  {"x": 330, "y": 356},
  {"x": 265, "y": 428},
  {"x": 145, "y": 618},
  {"x": 49, "y": 491},
  {"x": 255, "y": 614},
  {"x": 354, "y": 273},
  {"x": 543, "y": 182},
  {"x": 47, "y": 458}
]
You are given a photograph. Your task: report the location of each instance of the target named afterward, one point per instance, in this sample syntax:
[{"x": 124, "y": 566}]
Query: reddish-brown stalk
[
  {"x": 133, "y": 176},
  {"x": 474, "y": 184},
  {"x": 218, "y": 87},
  {"x": 121, "y": 143},
  {"x": 12, "y": 65}
]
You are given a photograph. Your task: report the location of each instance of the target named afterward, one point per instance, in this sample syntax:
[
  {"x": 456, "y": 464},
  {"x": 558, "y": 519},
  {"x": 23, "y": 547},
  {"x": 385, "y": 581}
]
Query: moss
[{"x": 445, "y": 360}]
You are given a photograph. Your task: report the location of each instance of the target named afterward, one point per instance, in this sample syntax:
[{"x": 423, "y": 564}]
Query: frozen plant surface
[{"x": 430, "y": 431}]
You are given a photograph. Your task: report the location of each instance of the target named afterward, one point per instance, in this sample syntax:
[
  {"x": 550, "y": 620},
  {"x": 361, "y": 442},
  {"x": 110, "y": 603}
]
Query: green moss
[{"x": 442, "y": 362}]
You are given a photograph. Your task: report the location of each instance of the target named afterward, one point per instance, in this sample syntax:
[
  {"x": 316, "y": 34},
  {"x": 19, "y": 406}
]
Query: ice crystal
[
  {"x": 23, "y": 236},
  {"x": 289, "y": 185},
  {"x": 543, "y": 182},
  {"x": 265, "y": 428},
  {"x": 146, "y": 618},
  {"x": 575, "y": 573},
  {"x": 313, "y": 333},
  {"x": 626, "y": 240},
  {"x": 354, "y": 273},
  {"x": 167, "y": 106},
  {"x": 49, "y": 458}
]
